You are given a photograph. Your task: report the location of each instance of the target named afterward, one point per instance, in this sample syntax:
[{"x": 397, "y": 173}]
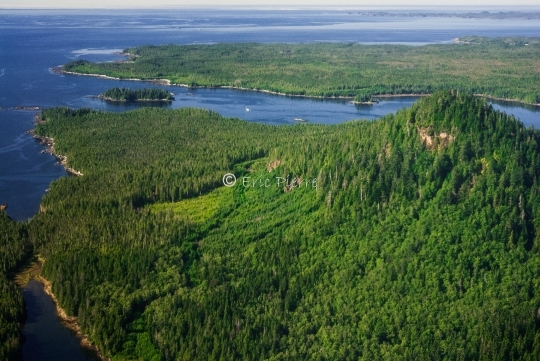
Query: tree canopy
[
  {"x": 132, "y": 95},
  {"x": 498, "y": 67},
  {"x": 420, "y": 239}
]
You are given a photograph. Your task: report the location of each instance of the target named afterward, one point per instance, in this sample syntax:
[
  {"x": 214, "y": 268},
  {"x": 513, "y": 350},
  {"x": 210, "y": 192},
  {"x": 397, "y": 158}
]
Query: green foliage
[
  {"x": 138, "y": 345},
  {"x": 419, "y": 241},
  {"x": 198, "y": 210},
  {"x": 500, "y": 67},
  {"x": 129, "y": 95},
  {"x": 14, "y": 249},
  {"x": 363, "y": 97}
]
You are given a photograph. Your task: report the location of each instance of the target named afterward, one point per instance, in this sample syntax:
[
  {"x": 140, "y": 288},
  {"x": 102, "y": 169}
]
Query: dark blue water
[
  {"x": 45, "y": 335},
  {"x": 25, "y": 172},
  {"x": 32, "y": 42}
]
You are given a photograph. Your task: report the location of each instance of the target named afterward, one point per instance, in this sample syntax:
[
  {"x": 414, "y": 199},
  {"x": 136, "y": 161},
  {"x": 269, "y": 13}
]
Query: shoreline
[
  {"x": 167, "y": 82},
  {"x": 401, "y": 95},
  {"x": 49, "y": 142},
  {"x": 506, "y": 100},
  {"x": 32, "y": 271},
  {"x": 22, "y": 107},
  {"x": 371, "y": 102},
  {"x": 60, "y": 70}
]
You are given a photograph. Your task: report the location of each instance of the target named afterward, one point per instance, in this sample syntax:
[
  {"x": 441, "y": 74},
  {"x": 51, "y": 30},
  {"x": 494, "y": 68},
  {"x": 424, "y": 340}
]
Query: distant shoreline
[
  {"x": 506, "y": 100},
  {"x": 167, "y": 82},
  {"x": 508, "y": 15},
  {"x": 60, "y": 70}
]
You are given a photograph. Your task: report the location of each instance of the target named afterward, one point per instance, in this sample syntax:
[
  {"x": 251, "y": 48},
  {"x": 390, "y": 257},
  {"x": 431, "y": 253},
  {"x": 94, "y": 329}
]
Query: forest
[
  {"x": 421, "y": 239},
  {"x": 134, "y": 95},
  {"x": 14, "y": 250},
  {"x": 498, "y": 67}
]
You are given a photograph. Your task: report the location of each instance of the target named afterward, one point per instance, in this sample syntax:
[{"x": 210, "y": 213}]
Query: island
[
  {"x": 136, "y": 95},
  {"x": 364, "y": 97},
  {"x": 505, "y": 68}
]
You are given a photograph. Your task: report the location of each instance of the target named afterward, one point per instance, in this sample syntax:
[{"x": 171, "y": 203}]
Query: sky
[{"x": 66, "y": 4}]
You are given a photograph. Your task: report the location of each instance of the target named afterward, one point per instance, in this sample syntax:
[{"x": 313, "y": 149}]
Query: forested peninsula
[
  {"x": 506, "y": 68},
  {"x": 419, "y": 240}
]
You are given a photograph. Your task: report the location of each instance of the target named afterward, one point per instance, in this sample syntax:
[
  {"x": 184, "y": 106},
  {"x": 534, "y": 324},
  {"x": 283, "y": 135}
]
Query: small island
[
  {"x": 136, "y": 95},
  {"x": 364, "y": 98}
]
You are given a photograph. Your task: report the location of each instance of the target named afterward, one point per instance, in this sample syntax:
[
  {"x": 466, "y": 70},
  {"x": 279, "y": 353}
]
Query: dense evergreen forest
[
  {"x": 498, "y": 67},
  {"x": 14, "y": 249},
  {"x": 133, "y": 95},
  {"x": 420, "y": 238}
]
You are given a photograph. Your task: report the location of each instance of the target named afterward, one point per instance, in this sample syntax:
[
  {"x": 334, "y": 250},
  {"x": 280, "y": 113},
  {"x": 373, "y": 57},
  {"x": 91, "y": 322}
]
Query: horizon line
[{"x": 270, "y": 7}]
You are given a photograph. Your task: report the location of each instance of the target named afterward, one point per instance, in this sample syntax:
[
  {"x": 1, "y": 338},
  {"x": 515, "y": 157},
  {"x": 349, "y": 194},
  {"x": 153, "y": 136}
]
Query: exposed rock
[
  {"x": 434, "y": 141},
  {"x": 57, "y": 69},
  {"x": 50, "y": 149},
  {"x": 21, "y": 107}
]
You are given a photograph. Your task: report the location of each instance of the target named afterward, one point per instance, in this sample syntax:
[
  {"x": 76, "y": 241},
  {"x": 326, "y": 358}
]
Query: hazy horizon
[{"x": 485, "y": 5}]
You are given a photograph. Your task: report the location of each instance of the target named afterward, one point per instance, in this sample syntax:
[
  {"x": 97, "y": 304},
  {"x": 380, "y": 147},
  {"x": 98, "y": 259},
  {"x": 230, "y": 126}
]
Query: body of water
[
  {"x": 46, "y": 337},
  {"x": 32, "y": 42}
]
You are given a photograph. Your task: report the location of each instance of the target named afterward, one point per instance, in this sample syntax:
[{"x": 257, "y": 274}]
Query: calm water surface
[
  {"x": 32, "y": 42},
  {"x": 46, "y": 337}
]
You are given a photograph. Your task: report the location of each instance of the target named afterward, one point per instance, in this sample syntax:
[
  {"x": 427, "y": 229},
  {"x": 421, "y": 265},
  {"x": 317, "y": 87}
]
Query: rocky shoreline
[
  {"x": 371, "y": 102},
  {"x": 33, "y": 271},
  {"x": 70, "y": 322},
  {"x": 60, "y": 70},
  {"x": 22, "y": 107},
  {"x": 49, "y": 142}
]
